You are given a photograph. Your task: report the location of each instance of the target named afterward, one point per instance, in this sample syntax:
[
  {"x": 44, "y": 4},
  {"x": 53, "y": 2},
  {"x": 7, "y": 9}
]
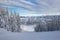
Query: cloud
[
  {"x": 55, "y": 6},
  {"x": 51, "y": 5},
  {"x": 24, "y": 4},
  {"x": 41, "y": 6},
  {"x": 42, "y": 3}
]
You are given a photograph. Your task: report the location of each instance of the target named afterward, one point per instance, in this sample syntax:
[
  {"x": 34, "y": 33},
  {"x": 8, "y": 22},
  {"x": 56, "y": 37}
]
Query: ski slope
[{"x": 5, "y": 35}]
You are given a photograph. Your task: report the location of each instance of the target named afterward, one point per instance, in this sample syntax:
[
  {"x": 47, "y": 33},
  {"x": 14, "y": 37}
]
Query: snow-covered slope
[
  {"x": 3, "y": 31},
  {"x": 4, "y": 35}
]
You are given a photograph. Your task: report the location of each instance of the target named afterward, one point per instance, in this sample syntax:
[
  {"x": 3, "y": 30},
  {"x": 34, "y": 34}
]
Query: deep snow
[{"x": 5, "y": 35}]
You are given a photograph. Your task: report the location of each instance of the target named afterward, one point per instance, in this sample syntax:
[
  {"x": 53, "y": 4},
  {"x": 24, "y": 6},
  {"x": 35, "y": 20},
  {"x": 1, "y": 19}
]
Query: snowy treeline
[
  {"x": 49, "y": 24},
  {"x": 9, "y": 21},
  {"x": 41, "y": 26},
  {"x": 43, "y": 23}
]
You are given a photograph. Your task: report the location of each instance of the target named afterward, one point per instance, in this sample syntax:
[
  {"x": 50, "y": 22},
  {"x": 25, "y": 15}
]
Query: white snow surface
[
  {"x": 28, "y": 27},
  {"x": 5, "y": 35}
]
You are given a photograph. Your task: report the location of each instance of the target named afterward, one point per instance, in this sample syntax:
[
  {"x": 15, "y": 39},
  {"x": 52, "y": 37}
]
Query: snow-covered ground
[
  {"x": 28, "y": 27},
  {"x": 5, "y": 35}
]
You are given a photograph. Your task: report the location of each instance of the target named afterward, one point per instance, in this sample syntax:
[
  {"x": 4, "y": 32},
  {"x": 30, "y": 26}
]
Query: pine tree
[{"x": 10, "y": 22}]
